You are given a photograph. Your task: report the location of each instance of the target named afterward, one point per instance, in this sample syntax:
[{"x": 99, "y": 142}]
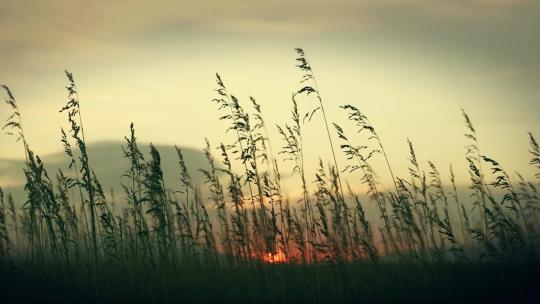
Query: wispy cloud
[
  {"x": 36, "y": 31},
  {"x": 41, "y": 23}
]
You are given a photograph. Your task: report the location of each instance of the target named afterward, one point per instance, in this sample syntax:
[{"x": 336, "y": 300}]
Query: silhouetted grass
[{"x": 238, "y": 238}]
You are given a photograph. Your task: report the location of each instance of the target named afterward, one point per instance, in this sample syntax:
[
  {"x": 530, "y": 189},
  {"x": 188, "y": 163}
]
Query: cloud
[
  {"x": 38, "y": 23},
  {"x": 108, "y": 163},
  {"x": 38, "y": 32}
]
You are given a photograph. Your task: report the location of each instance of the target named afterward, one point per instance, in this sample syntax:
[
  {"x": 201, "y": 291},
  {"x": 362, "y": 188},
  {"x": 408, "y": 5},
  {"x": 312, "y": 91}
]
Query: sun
[{"x": 275, "y": 257}]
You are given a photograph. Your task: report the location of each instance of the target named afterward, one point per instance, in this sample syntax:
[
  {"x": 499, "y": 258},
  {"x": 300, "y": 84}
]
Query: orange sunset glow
[{"x": 275, "y": 257}]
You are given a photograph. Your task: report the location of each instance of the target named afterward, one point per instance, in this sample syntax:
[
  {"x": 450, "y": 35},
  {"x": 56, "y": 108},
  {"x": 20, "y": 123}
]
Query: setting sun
[{"x": 275, "y": 258}]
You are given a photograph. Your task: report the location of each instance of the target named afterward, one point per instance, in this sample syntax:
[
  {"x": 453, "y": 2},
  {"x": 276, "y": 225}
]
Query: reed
[{"x": 237, "y": 237}]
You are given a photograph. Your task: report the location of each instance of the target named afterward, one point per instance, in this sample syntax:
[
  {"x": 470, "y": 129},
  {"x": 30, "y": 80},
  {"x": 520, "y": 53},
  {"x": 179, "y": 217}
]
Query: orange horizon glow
[{"x": 277, "y": 257}]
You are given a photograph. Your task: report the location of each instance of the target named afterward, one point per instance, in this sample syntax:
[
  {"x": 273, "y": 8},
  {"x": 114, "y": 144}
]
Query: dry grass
[{"x": 251, "y": 243}]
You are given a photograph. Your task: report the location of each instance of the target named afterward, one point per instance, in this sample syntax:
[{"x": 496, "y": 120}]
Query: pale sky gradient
[{"x": 410, "y": 65}]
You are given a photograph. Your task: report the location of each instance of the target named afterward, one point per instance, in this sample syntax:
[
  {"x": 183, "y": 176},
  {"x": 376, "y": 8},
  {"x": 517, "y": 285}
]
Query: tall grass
[{"x": 68, "y": 230}]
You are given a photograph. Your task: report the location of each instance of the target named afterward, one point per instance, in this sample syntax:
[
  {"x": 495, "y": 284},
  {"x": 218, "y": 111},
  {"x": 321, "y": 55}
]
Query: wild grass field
[{"x": 236, "y": 237}]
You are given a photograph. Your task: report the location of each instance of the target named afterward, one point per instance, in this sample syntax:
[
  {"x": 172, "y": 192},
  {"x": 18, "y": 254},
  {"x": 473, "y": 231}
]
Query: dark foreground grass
[
  {"x": 207, "y": 242},
  {"x": 355, "y": 282}
]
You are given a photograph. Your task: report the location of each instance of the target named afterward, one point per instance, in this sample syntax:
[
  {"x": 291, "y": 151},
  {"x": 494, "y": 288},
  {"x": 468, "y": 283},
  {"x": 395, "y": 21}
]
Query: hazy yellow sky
[{"x": 410, "y": 65}]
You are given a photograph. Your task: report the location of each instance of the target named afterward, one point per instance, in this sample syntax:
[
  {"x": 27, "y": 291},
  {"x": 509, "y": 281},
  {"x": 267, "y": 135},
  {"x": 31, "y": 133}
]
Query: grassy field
[{"x": 251, "y": 244}]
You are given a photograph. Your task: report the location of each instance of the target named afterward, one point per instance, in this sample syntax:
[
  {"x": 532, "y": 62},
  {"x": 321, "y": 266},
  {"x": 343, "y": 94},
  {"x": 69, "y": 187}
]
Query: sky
[{"x": 409, "y": 65}]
